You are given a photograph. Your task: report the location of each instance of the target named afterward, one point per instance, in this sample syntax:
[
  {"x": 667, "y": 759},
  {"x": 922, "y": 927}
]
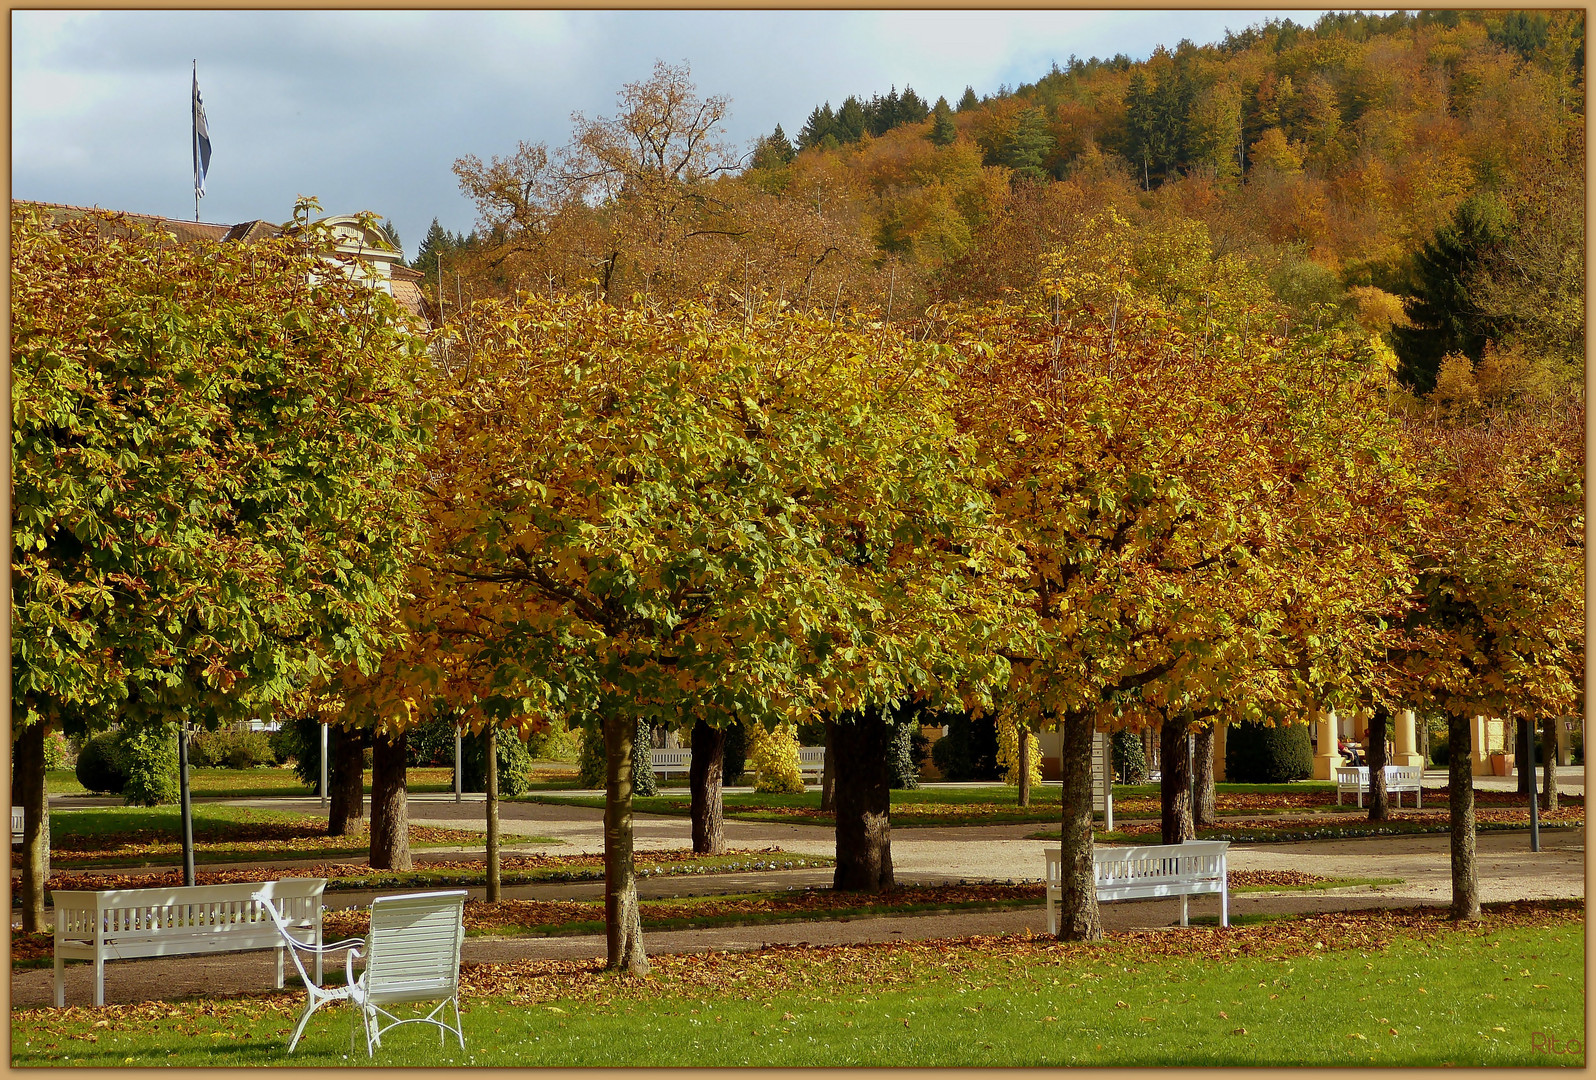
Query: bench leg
[
  {"x": 1052, "y": 917},
  {"x": 1224, "y": 907},
  {"x": 60, "y": 982},
  {"x": 1183, "y": 899},
  {"x": 279, "y": 968},
  {"x": 99, "y": 981},
  {"x": 1418, "y": 797}
]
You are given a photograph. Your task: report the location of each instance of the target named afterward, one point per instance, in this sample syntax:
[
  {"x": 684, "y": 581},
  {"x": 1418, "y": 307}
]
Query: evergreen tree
[
  {"x": 820, "y": 124},
  {"x": 969, "y": 100},
  {"x": 437, "y": 242},
  {"x": 850, "y": 126},
  {"x": 912, "y": 108},
  {"x": 392, "y": 231},
  {"x": 1028, "y": 146},
  {"x": 773, "y": 151},
  {"x": 1445, "y": 320},
  {"x": 943, "y": 131}
]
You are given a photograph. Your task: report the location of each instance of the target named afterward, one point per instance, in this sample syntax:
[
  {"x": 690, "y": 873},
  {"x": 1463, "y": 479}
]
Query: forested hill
[{"x": 1414, "y": 168}]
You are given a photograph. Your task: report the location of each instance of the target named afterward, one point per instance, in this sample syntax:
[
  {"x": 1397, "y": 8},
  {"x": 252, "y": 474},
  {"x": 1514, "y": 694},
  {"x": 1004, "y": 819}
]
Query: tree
[
  {"x": 1501, "y": 576},
  {"x": 943, "y": 132},
  {"x": 212, "y": 488},
  {"x": 1157, "y": 493},
  {"x": 722, "y": 514},
  {"x": 968, "y": 100}
]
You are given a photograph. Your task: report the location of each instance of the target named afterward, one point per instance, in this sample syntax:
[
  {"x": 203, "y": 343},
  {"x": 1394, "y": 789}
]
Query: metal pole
[
  {"x": 185, "y": 806},
  {"x": 1528, "y": 762},
  {"x": 457, "y": 766},
  {"x": 323, "y": 784}
]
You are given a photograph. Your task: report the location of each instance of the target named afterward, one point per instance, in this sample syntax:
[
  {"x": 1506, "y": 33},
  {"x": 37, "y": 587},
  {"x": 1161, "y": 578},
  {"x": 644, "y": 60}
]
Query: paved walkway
[{"x": 1507, "y": 868}]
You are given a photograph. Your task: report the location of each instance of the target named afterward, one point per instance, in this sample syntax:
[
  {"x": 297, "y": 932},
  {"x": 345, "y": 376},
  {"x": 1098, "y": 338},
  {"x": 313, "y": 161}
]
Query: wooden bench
[
  {"x": 122, "y": 924},
  {"x": 1194, "y": 868},
  {"x": 811, "y": 762},
  {"x": 16, "y": 824},
  {"x": 1398, "y": 778}
]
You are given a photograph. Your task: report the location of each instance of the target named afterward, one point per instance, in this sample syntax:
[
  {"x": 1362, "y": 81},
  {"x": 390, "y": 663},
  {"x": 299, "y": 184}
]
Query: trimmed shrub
[
  {"x": 773, "y": 752},
  {"x": 98, "y": 767},
  {"x": 734, "y": 755},
  {"x": 230, "y": 749},
  {"x": 1255, "y": 754},
  {"x": 1008, "y": 756},
  {"x": 148, "y": 757},
  {"x": 590, "y": 759},
  {"x": 514, "y": 763},
  {"x": 643, "y": 782},
  {"x": 431, "y": 745},
  {"x": 903, "y": 771},
  {"x": 557, "y": 743},
  {"x": 1130, "y": 759},
  {"x": 969, "y": 750}
]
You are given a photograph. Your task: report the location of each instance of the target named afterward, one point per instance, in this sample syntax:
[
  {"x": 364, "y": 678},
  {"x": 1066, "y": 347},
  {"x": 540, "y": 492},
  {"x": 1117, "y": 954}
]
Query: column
[
  {"x": 1328, "y": 758},
  {"x": 1406, "y": 739},
  {"x": 1480, "y": 756}
]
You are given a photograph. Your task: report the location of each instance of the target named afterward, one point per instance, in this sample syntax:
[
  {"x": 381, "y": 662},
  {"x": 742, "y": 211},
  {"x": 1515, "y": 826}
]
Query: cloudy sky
[{"x": 368, "y": 109}]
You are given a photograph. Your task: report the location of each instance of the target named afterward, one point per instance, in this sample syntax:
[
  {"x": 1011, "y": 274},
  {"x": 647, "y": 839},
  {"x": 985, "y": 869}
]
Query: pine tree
[
  {"x": 436, "y": 243},
  {"x": 850, "y": 126},
  {"x": 773, "y": 151},
  {"x": 1028, "y": 146},
  {"x": 969, "y": 100},
  {"x": 820, "y": 124},
  {"x": 912, "y": 108},
  {"x": 392, "y": 232},
  {"x": 943, "y": 131}
]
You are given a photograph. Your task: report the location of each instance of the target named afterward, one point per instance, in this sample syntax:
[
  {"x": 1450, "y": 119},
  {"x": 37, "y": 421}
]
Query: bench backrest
[
  {"x": 413, "y": 949},
  {"x": 185, "y": 911},
  {"x": 674, "y": 759},
  {"x": 1407, "y": 775},
  {"x": 1195, "y": 859}
]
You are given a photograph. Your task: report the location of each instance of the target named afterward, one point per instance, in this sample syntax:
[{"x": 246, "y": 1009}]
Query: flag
[{"x": 202, "y": 141}]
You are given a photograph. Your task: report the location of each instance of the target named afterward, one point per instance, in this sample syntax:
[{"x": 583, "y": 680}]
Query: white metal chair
[
  {"x": 319, "y": 995},
  {"x": 412, "y": 955}
]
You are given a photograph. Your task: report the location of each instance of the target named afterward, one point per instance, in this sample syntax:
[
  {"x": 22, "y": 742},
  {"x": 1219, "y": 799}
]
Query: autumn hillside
[{"x": 1418, "y": 168}]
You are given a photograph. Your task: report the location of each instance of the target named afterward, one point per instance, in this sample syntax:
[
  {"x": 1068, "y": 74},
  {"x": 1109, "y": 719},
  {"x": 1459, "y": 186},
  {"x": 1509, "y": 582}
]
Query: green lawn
[
  {"x": 1411, "y": 997},
  {"x": 269, "y": 781}
]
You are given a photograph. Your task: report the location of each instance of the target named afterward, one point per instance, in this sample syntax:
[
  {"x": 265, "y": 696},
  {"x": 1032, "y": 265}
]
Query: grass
[
  {"x": 1416, "y": 997},
  {"x": 122, "y": 836},
  {"x": 269, "y": 781},
  {"x": 936, "y": 805}
]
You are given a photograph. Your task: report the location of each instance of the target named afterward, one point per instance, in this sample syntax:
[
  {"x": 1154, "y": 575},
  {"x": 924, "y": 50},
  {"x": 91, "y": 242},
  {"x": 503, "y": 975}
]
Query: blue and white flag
[{"x": 202, "y": 141}]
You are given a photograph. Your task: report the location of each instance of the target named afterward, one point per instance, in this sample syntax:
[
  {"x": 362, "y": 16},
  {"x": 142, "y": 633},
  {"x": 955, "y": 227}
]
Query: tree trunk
[
  {"x": 1524, "y": 733},
  {"x": 705, "y": 778},
  {"x": 1078, "y": 918},
  {"x": 1379, "y": 798},
  {"x": 1549, "y": 760},
  {"x": 346, "y": 780},
  {"x": 1460, "y": 797},
  {"x": 493, "y": 882},
  {"x": 390, "y": 811},
  {"x": 1204, "y": 811},
  {"x": 828, "y": 772},
  {"x": 1025, "y": 766},
  {"x": 863, "y": 803},
  {"x": 623, "y": 925},
  {"x": 1174, "y": 789},
  {"x": 30, "y": 791}
]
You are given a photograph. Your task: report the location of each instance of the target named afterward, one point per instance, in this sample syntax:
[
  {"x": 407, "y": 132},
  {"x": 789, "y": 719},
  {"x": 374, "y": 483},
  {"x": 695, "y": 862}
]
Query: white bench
[
  {"x": 668, "y": 761},
  {"x": 122, "y": 924},
  {"x": 1398, "y": 778},
  {"x": 811, "y": 762},
  {"x": 16, "y": 824},
  {"x": 1191, "y": 869}
]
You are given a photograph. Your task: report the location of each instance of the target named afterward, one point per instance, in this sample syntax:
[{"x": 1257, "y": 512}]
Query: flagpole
[{"x": 193, "y": 138}]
